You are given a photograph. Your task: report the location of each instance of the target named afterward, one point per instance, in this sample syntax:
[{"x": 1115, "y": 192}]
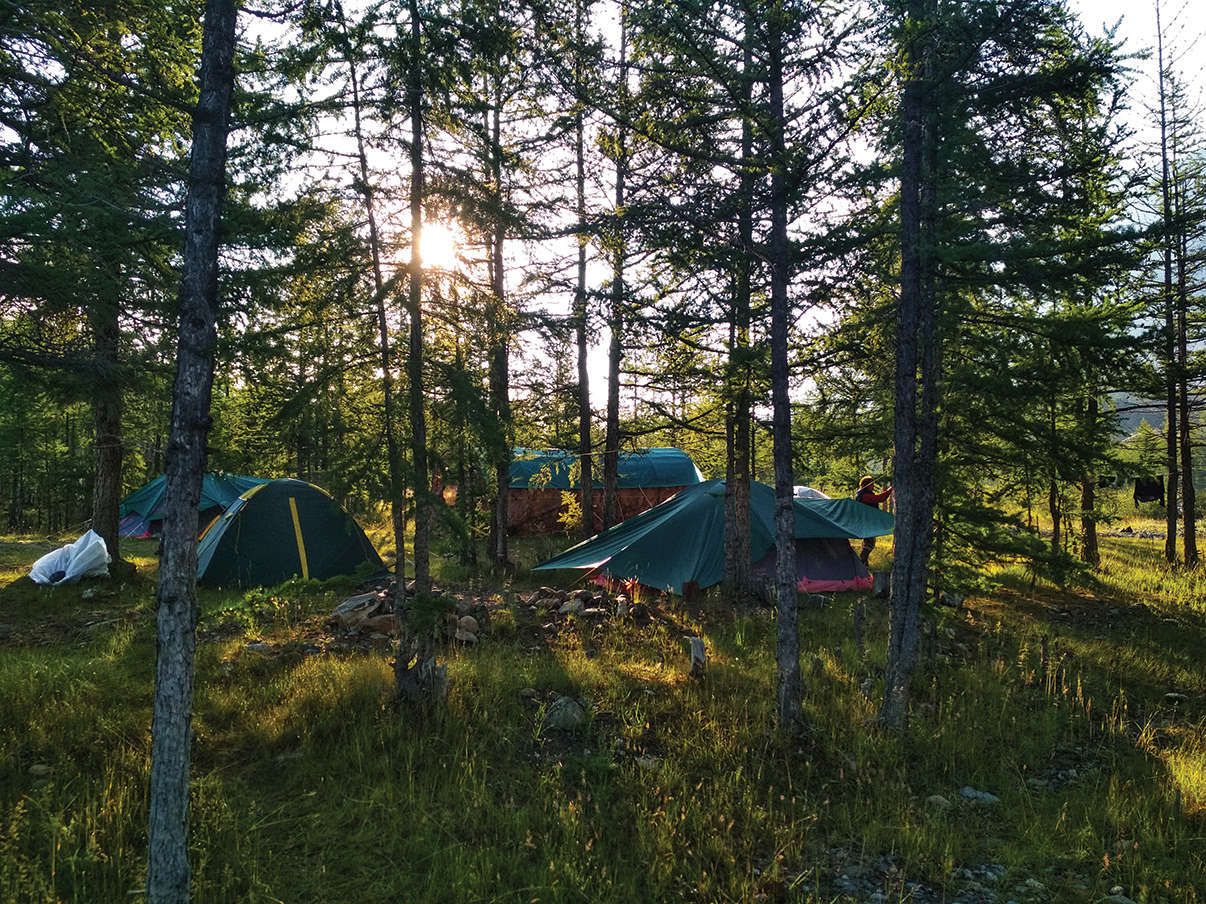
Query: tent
[
  {"x": 644, "y": 478},
  {"x": 682, "y": 540},
  {"x": 280, "y": 529},
  {"x": 142, "y": 512}
]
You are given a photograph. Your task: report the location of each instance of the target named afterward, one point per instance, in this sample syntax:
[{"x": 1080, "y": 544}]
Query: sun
[{"x": 439, "y": 246}]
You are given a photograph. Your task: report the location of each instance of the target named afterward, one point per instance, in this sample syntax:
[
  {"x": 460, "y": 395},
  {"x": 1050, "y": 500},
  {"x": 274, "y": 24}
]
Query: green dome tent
[
  {"x": 682, "y": 540},
  {"x": 141, "y": 512},
  {"x": 280, "y": 529}
]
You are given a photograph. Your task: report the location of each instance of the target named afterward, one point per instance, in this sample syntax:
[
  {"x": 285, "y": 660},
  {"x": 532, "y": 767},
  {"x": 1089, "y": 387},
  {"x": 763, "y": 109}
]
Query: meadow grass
[{"x": 309, "y": 786}]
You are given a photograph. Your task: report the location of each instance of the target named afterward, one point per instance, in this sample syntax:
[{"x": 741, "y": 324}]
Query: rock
[
  {"x": 622, "y": 607},
  {"x": 867, "y": 687},
  {"x": 639, "y": 614},
  {"x": 258, "y": 647},
  {"x": 465, "y": 636},
  {"x": 468, "y": 624},
  {"x": 565, "y": 714},
  {"x": 367, "y": 601},
  {"x": 938, "y": 802},
  {"x": 1117, "y": 899},
  {"x": 646, "y": 762},
  {"x": 529, "y": 693},
  {"x": 379, "y": 640},
  {"x": 1117, "y": 890},
  {"x": 544, "y": 592},
  {"x": 584, "y": 596},
  {"x": 573, "y": 607},
  {"x": 594, "y": 612},
  {"x": 952, "y": 600},
  {"x": 1174, "y": 698},
  {"x": 979, "y": 797},
  {"x": 383, "y": 624},
  {"x": 39, "y": 770}
]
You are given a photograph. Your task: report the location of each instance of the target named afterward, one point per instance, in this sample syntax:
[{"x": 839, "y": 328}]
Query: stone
[
  {"x": 584, "y": 595},
  {"x": 379, "y": 640},
  {"x": 594, "y": 612},
  {"x": 466, "y": 636},
  {"x": 565, "y": 714},
  {"x": 573, "y": 607},
  {"x": 1117, "y": 890},
  {"x": 39, "y": 770},
  {"x": 640, "y": 615},
  {"x": 468, "y": 624},
  {"x": 258, "y": 647},
  {"x": 383, "y": 624},
  {"x": 366, "y": 601},
  {"x": 529, "y": 693},
  {"x": 952, "y": 600},
  {"x": 1174, "y": 698},
  {"x": 938, "y": 802},
  {"x": 815, "y": 601},
  {"x": 979, "y": 797},
  {"x": 646, "y": 762},
  {"x": 621, "y": 607}
]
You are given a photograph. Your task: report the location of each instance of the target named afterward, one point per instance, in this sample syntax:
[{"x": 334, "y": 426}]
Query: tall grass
[{"x": 309, "y": 786}]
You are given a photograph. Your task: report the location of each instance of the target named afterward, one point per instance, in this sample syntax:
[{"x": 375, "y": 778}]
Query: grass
[{"x": 308, "y": 786}]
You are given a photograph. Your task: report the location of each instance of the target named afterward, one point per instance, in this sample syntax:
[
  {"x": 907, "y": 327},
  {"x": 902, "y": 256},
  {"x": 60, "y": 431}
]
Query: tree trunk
[
  {"x": 1170, "y": 322},
  {"x": 176, "y": 599},
  {"x": 500, "y": 359},
  {"x": 580, "y": 308},
  {"x": 397, "y": 508},
  {"x": 611, "y": 452},
  {"x": 1089, "y": 551},
  {"x": 414, "y": 364},
  {"x": 737, "y": 488},
  {"x": 916, "y": 362},
  {"x": 107, "y": 411},
  {"x": 1189, "y": 502},
  {"x": 787, "y": 704}
]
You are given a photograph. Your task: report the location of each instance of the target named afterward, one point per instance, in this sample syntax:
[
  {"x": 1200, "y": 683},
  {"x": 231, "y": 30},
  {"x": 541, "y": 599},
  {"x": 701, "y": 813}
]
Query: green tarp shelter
[
  {"x": 553, "y": 469},
  {"x": 280, "y": 529},
  {"x": 682, "y": 540},
  {"x": 142, "y": 512}
]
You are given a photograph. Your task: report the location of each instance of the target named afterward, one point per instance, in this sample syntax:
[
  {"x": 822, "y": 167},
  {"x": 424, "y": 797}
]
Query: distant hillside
[{"x": 1140, "y": 410}]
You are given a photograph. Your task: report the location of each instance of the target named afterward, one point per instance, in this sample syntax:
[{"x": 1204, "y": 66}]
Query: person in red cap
[{"x": 866, "y": 494}]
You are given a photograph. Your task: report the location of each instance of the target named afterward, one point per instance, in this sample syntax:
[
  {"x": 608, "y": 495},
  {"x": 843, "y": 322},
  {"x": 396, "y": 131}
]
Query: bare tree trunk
[
  {"x": 737, "y": 487},
  {"x": 500, "y": 364},
  {"x": 107, "y": 411},
  {"x": 1189, "y": 502},
  {"x": 580, "y": 308},
  {"x": 916, "y": 363},
  {"x": 397, "y": 507},
  {"x": 1089, "y": 551},
  {"x": 1170, "y": 323},
  {"x": 788, "y": 690},
  {"x": 611, "y": 452},
  {"x": 176, "y": 599},
  {"x": 414, "y": 364}
]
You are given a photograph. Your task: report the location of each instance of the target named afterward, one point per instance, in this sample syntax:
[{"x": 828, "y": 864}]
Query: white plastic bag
[{"x": 87, "y": 557}]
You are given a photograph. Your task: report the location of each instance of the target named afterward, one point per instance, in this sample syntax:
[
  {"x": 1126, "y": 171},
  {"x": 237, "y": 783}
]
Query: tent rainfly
[
  {"x": 142, "y": 511},
  {"x": 682, "y": 541},
  {"x": 538, "y": 478},
  {"x": 278, "y": 530}
]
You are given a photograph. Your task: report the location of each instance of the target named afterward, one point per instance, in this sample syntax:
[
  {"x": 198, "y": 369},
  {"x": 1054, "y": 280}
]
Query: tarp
[
  {"x": 280, "y": 529},
  {"x": 556, "y": 469},
  {"x": 682, "y": 539},
  {"x": 142, "y": 511},
  {"x": 87, "y": 557}
]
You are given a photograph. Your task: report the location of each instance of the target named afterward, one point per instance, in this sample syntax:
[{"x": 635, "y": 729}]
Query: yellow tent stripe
[{"x": 301, "y": 546}]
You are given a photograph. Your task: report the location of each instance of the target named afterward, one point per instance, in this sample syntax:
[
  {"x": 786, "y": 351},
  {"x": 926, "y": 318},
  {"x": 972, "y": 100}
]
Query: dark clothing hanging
[{"x": 1149, "y": 489}]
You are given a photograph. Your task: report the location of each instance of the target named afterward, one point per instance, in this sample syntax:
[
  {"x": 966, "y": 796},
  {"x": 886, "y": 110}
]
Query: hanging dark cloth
[{"x": 1149, "y": 489}]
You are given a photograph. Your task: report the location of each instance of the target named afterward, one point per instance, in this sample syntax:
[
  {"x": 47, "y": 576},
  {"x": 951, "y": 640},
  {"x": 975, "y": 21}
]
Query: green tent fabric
[
  {"x": 280, "y": 529},
  {"x": 540, "y": 469},
  {"x": 142, "y": 511},
  {"x": 682, "y": 539}
]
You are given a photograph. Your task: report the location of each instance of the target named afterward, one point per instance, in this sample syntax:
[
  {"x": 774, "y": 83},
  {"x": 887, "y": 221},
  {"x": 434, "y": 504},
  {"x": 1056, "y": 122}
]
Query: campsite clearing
[{"x": 308, "y": 787}]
